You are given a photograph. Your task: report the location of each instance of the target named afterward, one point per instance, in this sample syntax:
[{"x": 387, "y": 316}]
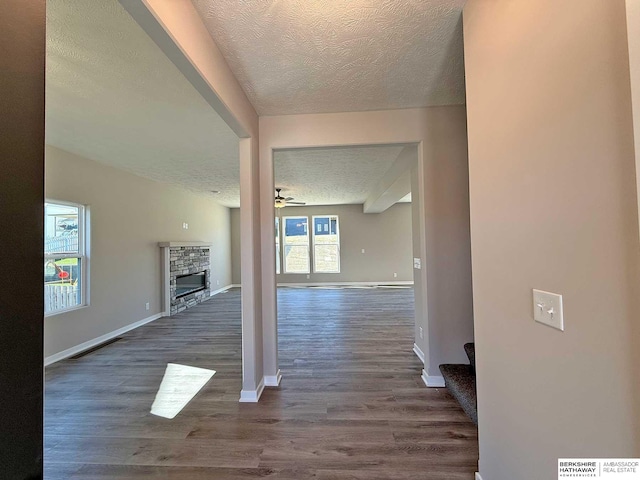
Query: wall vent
[{"x": 93, "y": 349}]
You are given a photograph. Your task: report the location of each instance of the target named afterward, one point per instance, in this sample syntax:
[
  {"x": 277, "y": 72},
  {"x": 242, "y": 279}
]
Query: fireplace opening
[{"x": 186, "y": 284}]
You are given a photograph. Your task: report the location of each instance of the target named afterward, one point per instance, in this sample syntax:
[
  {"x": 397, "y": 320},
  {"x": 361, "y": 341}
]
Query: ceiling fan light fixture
[{"x": 281, "y": 202}]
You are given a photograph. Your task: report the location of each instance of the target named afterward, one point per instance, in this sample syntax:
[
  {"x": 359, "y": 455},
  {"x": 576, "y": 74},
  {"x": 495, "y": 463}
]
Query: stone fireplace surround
[{"x": 184, "y": 258}]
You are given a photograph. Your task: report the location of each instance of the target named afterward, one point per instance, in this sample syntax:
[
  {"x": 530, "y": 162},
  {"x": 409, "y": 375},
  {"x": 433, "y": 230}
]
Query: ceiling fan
[{"x": 281, "y": 202}]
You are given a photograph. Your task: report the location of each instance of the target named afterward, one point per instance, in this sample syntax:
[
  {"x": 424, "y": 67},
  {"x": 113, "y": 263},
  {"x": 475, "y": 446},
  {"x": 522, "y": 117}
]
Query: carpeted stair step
[
  {"x": 470, "y": 348},
  {"x": 460, "y": 380}
]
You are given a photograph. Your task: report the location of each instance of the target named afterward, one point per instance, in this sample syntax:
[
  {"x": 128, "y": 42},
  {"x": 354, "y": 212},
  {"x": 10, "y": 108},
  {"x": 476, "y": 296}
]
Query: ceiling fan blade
[
  {"x": 295, "y": 203},
  {"x": 288, "y": 198}
]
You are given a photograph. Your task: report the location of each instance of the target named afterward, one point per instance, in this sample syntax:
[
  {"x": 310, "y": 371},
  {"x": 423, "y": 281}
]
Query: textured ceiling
[
  {"x": 332, "y": 176},
  {"x": 114, "y": 97},
  {"x": 314, "y": 56}
]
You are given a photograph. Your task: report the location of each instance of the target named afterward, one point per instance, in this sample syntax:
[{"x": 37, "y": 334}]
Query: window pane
[
  {"x": 295, "y": 231},
  {"x": 296, "y": 259},
  {"x": 296, "y": 245},
  {"x": 326, "y": 230},
  {"x": 326, "y": 258},
  {"x": 62, "y": 284},
  {"x": 322, "y": 225},
  {"x": 60, "y": 228},
  {"x": 326, "y": 245}
]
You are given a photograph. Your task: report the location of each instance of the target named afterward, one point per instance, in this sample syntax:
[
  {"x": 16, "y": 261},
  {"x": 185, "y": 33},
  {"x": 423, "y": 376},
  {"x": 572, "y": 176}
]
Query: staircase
[{"x": 460, "y": 380}]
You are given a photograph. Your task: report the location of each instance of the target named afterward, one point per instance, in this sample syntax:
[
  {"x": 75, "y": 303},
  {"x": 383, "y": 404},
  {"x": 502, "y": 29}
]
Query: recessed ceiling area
[
  {"x": 332, "y": 176},
  {"x": 113, "y": 96},
  {"x": 301, "y": 56}
]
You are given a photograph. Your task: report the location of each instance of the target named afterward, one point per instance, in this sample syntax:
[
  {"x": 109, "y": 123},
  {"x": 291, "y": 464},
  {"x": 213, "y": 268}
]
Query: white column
[
  {"x": 252, "y": 362},
  {"x": 272, "y": 374}
]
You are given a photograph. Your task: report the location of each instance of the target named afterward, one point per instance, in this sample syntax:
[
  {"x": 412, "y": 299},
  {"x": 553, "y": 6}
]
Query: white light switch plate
[{"x": 547, "y": 309}]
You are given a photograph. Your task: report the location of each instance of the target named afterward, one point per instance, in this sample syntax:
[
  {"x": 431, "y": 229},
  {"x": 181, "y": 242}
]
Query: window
[
  {"x": 65, "y": 261},
  {"x": 277, "y": 245},
  {"x": 296, "y": 245},
  {"x": 326, "y": 244}
]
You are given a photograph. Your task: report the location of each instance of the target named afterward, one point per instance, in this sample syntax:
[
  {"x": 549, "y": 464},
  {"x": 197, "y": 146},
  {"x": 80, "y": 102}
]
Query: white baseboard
[
  {"x": 345, "y": 284},
  {"x": 334, "y": 284},
  {"x": 252, "y": 396},
  {"x": 432, "y": 381},
  {"x": 418, "y": 352},
  {"x": 220, "y": 290},
  {"x": 478, "y": 477},
  {"x": 273, "y": 380},
  {"x": 69, "y": 352}
]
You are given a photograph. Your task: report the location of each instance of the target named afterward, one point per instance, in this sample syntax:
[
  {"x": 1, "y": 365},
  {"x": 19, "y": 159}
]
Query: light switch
[
  {"x": 417, "y": 264},
  {"x": 547, "y": 309}
]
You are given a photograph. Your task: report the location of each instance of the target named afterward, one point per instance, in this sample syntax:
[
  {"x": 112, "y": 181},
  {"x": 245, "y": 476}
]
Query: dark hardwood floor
[{"x": 351, "y": 404}]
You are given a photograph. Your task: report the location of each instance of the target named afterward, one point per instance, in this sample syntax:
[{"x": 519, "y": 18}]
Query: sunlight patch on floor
[{"x": 179, "y": 385}]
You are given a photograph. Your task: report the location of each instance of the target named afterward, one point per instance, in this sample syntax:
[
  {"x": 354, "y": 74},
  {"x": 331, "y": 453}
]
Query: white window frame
[
  {"x": 283, "y": 229},
  {"x": 82, "y": 254},
  {"x": 313, "y": 227}
]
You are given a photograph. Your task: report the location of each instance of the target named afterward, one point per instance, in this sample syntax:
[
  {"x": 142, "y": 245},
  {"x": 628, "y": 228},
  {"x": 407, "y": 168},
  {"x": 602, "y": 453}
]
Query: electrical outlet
[
  {"x": 146, "y": 306},
  {"x": 363, "y": 250},
  {"x": 218, "y": 282},
  {"x": 421, "y": 333},
  {"x": 308, "y": 277},
  {"x": 395, "y": 275},
  {"x": 185, "y": 226},
  {"x": 417, "y": 263}
]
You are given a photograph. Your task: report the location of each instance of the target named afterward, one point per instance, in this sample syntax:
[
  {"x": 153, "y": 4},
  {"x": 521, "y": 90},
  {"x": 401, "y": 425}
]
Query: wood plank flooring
[{"x": 351, "y": 405}]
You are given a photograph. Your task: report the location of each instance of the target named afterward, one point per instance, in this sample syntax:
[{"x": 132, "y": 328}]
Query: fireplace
[
  {"x": 186, "y": 272},
  {"x": 194, "y": 282}
]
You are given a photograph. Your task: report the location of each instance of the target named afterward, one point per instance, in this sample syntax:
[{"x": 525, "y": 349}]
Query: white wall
[
  {"x": 178, "y": 30},
  {"x": 129, "y": 215},
  {"x": 448, "y": 241},
  {"x": 385, "y": 238},
  {"x": 418, "y": 282},
  {"x": 633, "y": 35},
  {"x": 553, "y": 207},
  {"x": 443, "y": 212}
]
